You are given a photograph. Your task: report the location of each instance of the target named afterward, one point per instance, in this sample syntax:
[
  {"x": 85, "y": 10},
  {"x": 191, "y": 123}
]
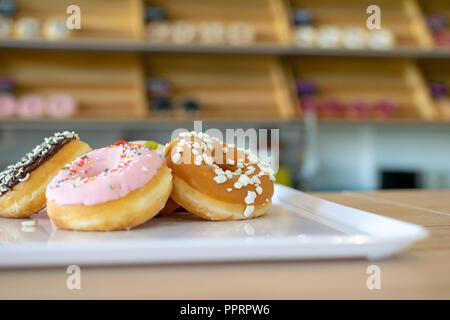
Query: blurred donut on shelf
[
  {"x": 306, "y": 88},
  {"x": 183, "y": 32},
  {"x": 332, "y": 108},
  {"x": 212, "y": 32},
  {"x": 6, "y": 85},
  {"x": 329, "y": 37},
  {"x": 384, "y": 109},
  {"x": 158, "y": 87},
  {"x": 55, "y": 29},
  {"x": 239, "y": 33},
  {"x": 442, "y": 38},
  {"x": 8, "y": 7},
  {"x": 305, "y": 36},
  {"x": 382, "y": 39},
  {"x": 309, "y": 104},
  {"x": 158, "y": 31},
  {"x": 27, "y": 28},
  {"x": 30, "y": 106},
  {"x": 153, "y": 13},
  {"x": 302, "y": 17},
  {"x": 436, "y": 22},
  {"x": 161, "y": 105},
  {"x": 61, "y": 106},
  {"x": 437, "y": 90},
  {"x": 354, "y": 38},
  {"x": 190, "y": 106},
  {"x": 7, "y": 105},
  {"x": 5, "y": 27},
  {"x": 358, "y": 109}
]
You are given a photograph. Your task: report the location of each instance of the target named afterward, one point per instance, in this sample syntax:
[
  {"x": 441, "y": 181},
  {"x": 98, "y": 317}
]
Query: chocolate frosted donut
[{"x": 22, "y": 185}]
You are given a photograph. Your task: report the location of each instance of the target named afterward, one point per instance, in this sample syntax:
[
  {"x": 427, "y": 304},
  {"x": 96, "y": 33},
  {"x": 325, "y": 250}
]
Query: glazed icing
[{"x": 104, "y": 174}]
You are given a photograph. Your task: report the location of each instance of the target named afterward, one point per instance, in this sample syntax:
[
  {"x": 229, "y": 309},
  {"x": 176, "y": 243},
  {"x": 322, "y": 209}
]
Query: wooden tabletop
[{"x": 422, "y": 272}]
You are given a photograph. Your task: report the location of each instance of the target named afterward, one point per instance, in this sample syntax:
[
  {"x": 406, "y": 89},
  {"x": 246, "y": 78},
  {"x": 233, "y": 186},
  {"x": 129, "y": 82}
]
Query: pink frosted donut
[
  {"x": 7, "y": 105},
  {"x": 112, "y": 188},
  {"x": 30, "y": 106},
  {"x": 61, "y": 106}
]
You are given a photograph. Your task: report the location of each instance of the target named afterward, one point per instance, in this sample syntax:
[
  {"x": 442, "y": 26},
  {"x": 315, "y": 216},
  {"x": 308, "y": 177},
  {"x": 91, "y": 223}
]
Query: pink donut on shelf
[
  {"x": 7, "y": 105},
  {"x": 30, "y": 106},
  {"x": 61, "y": 106}
]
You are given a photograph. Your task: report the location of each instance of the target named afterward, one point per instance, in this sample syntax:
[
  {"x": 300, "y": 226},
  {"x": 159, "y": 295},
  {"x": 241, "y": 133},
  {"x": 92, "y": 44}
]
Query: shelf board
[
  {"x": 162, "y": 124},
  {"x": 132, "y": 124},
  {"x": 257, "y": 49}
]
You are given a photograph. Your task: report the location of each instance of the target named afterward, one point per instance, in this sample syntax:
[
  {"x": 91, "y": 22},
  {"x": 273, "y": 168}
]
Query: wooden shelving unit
[{"x": 106, "y": 63}]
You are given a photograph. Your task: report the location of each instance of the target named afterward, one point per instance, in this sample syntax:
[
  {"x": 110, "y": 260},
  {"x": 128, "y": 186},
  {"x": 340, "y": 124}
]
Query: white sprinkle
[
  {"x": 196, "y": 145},
  {"x": 30, "y": 223},
  {"x": 229, "y": 189},
  {"x": 220, "y": 179},
  {"x": 197, "y": 163},
  {"x": 219, "y": 172},
  {"x": 176, "y": 157},
  {"x": 256, "y": 180},
  {"x": 250, "y": 170},
  {"x": 248, "y": 211},
  {"x": 228, "y": 174},
  {"x": 250, "y": 198},
  {"x": 241, "y": 160},
  {"x": 144, "y": 168},
  {"x": 230, "y": 161},
  {"x": 240, "y": 165},
  {"x": 208, "y": 159},
  {"x": 179, "y": 149},
  {"x": 259, "y": 190},
  {"x": 225, "y": 150},
  {"x": 195, "y": 152},
  {"x": 238, "y": 185},
  {"x": 243, "y": 179},
  {"x": 25, "y": 178}
]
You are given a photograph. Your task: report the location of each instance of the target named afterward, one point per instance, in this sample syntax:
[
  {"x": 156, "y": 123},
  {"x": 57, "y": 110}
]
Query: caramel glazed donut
[
  {"x": 113, "y": 188},
  {"x": 217, "y": 181},
  {"x": 22, "y": 185}
]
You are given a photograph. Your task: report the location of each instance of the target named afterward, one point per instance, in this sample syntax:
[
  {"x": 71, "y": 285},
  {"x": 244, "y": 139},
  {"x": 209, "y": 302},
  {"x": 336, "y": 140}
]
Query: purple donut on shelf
[
  {"x": 438, "y": 90},
  {"x": 7, "y": 105},
  {"x": 306, "y": 88},
  {"x": 6, "y": 85},
  {"x": 436, "y": 22},
  {"x": 30, "y": 106}
]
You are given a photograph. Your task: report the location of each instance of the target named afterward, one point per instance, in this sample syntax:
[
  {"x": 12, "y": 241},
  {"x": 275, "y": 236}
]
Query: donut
[
  {"x": 56, "y": 29},
  {"x": 61, "y": 106},
  {"x": 7, "y": 105},
  {"x": 217, "y": 181},
  {"x": 22, "y": 185},
  {"x": 30, "y": 106},
  {"x": 113, "y": 188}
]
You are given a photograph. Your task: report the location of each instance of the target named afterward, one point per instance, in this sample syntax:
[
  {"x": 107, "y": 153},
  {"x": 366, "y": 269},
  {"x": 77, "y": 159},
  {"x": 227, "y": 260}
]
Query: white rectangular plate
[{"x": 298, "y": 226}]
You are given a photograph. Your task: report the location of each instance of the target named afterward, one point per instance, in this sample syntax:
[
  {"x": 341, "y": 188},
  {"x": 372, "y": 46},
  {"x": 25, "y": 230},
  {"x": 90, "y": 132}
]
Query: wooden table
[{"x": 421, "y": 272}]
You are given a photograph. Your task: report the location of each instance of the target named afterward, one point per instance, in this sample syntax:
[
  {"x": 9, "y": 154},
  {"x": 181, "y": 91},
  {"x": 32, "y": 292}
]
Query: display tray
[{"x": 298, "y": 226}]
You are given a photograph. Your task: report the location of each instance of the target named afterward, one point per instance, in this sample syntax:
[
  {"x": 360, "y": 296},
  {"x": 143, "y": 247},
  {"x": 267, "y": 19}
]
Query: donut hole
[{"x": 103, "y": 163}]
